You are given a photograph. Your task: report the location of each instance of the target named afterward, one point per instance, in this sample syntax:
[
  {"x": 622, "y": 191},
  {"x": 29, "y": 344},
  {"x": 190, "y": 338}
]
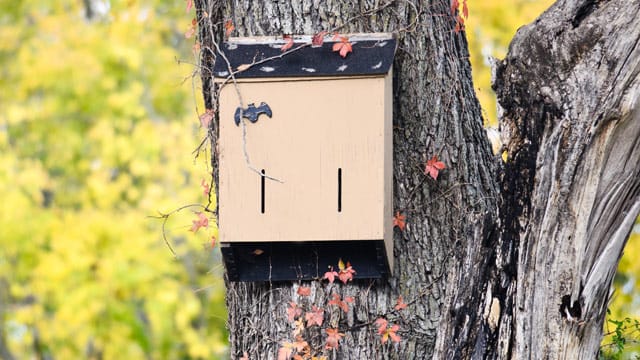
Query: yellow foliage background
[{"x": 97, "y": 126}]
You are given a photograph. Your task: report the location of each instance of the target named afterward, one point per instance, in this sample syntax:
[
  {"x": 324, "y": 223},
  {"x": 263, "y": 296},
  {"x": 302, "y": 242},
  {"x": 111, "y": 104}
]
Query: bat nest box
[{"x": 305, "y": 158}]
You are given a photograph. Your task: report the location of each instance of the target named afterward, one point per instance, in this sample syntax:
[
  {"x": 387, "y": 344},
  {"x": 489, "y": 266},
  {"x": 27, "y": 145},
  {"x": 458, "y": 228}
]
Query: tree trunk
[
  {"x": 489, "y": 249},
  {"x": 569, "y": 90}
]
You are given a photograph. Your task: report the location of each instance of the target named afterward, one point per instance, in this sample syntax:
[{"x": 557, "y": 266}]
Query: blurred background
[{"x": 98, "y": 124}]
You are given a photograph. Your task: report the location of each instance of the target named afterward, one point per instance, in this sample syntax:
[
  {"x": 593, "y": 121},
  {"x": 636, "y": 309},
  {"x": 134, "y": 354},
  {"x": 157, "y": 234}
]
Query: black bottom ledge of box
[{"x": 306, "y": 260}]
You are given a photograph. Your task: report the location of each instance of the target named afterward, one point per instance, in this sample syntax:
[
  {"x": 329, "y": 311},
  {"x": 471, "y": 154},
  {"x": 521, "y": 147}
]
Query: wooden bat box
[{"x": 305, "y": 156}]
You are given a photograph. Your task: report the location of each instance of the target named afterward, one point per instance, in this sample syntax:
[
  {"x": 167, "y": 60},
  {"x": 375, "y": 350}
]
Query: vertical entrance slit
[
  {"x": 339, "y": 189},
  {"x": 262, "y": 181}
]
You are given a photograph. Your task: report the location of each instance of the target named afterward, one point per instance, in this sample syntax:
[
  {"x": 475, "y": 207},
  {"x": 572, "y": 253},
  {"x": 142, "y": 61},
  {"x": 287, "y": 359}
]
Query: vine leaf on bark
[
  {"x": 228, "y": 28},
  {"x": 337, "y": 301},
  {"x": 304, "y": 291},
  {"x": 333, "y": 338},
  {"x": 433, "y": 167},
  {"x": 400, "y": 304},
  {"x": 399, "y": 221}
]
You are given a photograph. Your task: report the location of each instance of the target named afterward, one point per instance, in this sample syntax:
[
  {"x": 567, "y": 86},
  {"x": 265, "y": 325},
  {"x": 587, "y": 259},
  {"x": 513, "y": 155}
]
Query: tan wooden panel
[
  {"x": 317, "y": 127},
  {"x": 388, "y": 169}
]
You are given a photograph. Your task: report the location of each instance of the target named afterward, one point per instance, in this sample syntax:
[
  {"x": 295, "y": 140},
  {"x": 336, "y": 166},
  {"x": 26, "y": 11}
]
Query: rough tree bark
[{"x": 492, "y": 252}]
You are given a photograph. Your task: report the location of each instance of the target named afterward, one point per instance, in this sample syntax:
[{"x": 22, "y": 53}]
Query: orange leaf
[
  {"x": 392, "y": 333},
  {"x": 400, "y": 304},
  {"x": 344, "y": 46},
  {"x": 202, "y": 221},
  {"x": 205, "y": 119},
  {"x": 399, "y": 221},
  {"x": 454, "y": 6},
  {"x": 213, "y": 241},
  {"x": 339, "y": 303},
  {"x": 318, "y": 39},
  {"x": 333, "y": 338},
  {"x": 387, "y": 332},
  {"x": 330, "y": 275},
  {"x": 382, "y": 325},
  {"x": 315, "y": 316},
  {"x": 284, "y": 353},
  {"x": 287, "y": 45},
  {"x": 228, "y": 27},
  {"x": 459, "y": 24},
  {"x": 346, "y": 274},
  {"x": 293, "y": 311},
  {"x": 433, "y": 167},
  {"x": 465, "y": 9},
  {"x": 205, "y": 187},
  {"x": 304, "y": 291}
]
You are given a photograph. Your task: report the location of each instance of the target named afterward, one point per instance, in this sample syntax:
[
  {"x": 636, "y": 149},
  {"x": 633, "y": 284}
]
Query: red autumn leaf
[
  {"x": 391, "y": 333},
  {"x": 189, "y": 5},
  {"x": 288, "y": 44},
  {"x": 381, "y": 323},
  {"x": 205, "y": 119},
  {"x": 304, "y": 291},
  {"x": 330, "y": 275},
  {"x": 315, "y": 316},
  {"x": 318, "y": 39},
  {"x": 465, "y": 9},
  {"x": 205, "y": 187},
  {"x": 344, "y": 46},
  {"x": 400, "y": 304},
  {"x": 339, "y": 303},
  {"x": 202, "y": 221},
  {"x": 399, "y": 221},
  {"x": 454, "y": 6},
  {"x": 346, "y": 272},
  {"x": 459, "y": 24},
  {"x": 433, "y": 167},
  {"x": 192, "y": 29},
  {"x": 333, "y": 338},
  {"x": 293, "y": 311},
  {"x": 228, "y": 27},
  {"x": 285, "y": 352}
]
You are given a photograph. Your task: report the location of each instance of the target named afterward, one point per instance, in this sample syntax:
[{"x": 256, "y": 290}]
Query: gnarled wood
[{"x": 569, "y": 89}]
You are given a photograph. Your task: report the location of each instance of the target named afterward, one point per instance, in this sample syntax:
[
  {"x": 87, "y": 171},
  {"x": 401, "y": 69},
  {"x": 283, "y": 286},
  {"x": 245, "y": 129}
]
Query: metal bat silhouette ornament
[{"x": 252, "y": 112}]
